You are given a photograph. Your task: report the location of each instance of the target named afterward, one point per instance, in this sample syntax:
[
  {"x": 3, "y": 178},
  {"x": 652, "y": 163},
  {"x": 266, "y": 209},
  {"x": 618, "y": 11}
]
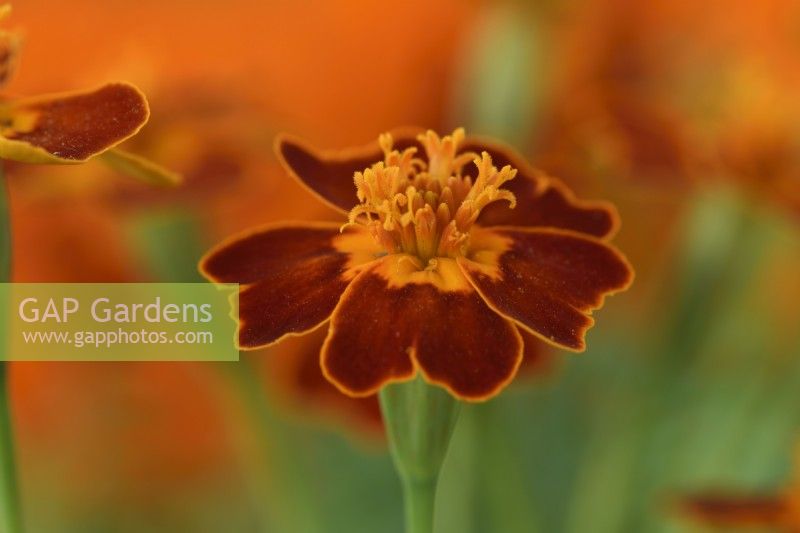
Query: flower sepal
[{"x": 140, "y": 168}]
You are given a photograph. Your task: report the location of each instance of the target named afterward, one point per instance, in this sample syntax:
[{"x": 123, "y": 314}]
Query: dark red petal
[
  {"x": 542, "y": 201},
  {"x": 72, "y": 127},
  {"x": 291, "y": 276},
  {"x": 547, "y": 280},
  {"x": 329, "y": 173},
  {"x": 395, "y": 318},
  {"x": 739, "y": 511}
]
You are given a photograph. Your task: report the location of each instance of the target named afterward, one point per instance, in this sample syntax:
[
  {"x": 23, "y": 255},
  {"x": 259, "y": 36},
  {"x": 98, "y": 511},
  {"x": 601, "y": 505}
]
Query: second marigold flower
[{"x": 455, "y": 254}]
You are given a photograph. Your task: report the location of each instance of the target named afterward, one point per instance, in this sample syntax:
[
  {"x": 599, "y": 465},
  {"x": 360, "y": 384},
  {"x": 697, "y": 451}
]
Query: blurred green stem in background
[
  {"x": 724, "y": 242},
  {"x": 9, "y": 514},
  {"x": 276, "y": 476},
  {"x": 280, "y": 475},
  {"x": 170, "y": 242},
  {"x": 419, "y": 420},
  {"x": 499, "y": 82},
  {"x": 10, "y": 517}
]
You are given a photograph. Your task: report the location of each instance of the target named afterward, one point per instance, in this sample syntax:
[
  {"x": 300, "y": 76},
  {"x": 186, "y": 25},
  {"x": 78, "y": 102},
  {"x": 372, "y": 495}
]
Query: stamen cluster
[{"x": 426, "y": 207}]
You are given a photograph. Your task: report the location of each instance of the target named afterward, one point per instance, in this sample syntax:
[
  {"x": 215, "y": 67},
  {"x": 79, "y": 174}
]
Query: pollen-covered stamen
[
  {"x": 442, "y": 158},
  {"x": 486, "y": 189},
  {"x": 427, "y": 207}
]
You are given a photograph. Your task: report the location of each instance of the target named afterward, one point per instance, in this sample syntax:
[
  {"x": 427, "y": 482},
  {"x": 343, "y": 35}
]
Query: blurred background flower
[{"x": 684, "y": 114}]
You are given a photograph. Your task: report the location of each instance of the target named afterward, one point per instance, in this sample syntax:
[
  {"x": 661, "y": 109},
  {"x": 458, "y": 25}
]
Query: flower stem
[
  {"x": 9, "y": 512},
  {"x": 418, "y": 499},
  {"x": 419, "y": 420},
  {"x": 10, "y": 521}
]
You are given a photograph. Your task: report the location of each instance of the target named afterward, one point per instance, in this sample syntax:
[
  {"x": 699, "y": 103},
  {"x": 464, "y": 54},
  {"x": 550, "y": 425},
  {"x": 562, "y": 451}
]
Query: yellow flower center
[{"x": 426, "y": 207}]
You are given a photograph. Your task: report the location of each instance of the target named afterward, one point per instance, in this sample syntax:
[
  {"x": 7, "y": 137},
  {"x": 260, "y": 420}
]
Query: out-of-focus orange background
[{"x": 658, "y": 106}]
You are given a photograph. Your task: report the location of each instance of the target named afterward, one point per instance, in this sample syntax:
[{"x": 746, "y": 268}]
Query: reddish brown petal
[
  {"x": 329, "y": 174},
  {"x": 739, "y": 511},
  {"x": 542, "y": 201},
  {"x": 291, "y": 276},
  {"x": 547, "y": 280},
  {"x": 396, "y": 317},
  {"x": 71, "y": 128}
]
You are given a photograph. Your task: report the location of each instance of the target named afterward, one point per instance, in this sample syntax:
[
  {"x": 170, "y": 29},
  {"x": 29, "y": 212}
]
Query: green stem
[
  {"x": 10, "y": 517},
  {"x": 10, "y": 520},
  {"x": 419, "y": 422},
  {"x": 280, "y": 473},
  {"x": 418, "y": 499}
]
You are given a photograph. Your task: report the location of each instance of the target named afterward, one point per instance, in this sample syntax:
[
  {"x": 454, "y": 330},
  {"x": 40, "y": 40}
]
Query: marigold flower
[
  {"x": 431, "y": 273},
  {"x": 780, "y": 510},
  {"x": 73, "y": 127},
  {"x": 608, "y": 115}
]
